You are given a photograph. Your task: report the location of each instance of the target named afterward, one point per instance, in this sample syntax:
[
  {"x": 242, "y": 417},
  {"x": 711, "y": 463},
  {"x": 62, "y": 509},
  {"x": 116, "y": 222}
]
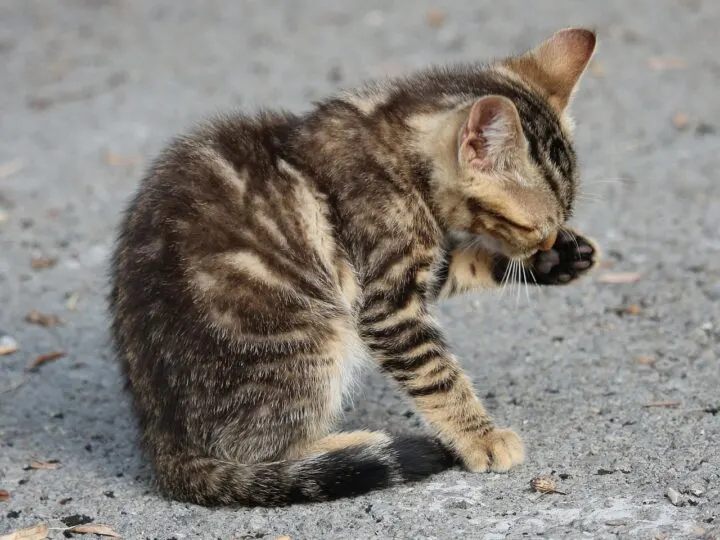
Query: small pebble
[
  {"x": 7, "y": 344},
  {"x": 674, "y": 497},
  {"x": 694, "y": 490}
]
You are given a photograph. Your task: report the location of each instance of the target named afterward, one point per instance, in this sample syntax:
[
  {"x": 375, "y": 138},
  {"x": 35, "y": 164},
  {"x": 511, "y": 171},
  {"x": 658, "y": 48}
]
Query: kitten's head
[{"x": 516, "y": 159}]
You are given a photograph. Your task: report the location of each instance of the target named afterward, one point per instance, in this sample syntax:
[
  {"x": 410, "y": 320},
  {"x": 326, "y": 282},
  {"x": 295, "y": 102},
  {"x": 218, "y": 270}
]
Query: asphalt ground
[{"x": 91, "y": 90}]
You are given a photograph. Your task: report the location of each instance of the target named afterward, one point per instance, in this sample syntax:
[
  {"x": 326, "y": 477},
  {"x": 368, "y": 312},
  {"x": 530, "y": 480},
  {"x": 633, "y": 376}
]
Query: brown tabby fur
[{"x": 265, "y": 257}]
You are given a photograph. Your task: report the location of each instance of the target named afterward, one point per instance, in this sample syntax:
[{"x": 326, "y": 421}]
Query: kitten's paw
[
  {"x": 572, "y": 256},
  {"x": 498, "y": 451}
]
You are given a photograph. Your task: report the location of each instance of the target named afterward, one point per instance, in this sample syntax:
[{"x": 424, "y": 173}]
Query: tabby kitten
[{"x": 263, "y": 258}]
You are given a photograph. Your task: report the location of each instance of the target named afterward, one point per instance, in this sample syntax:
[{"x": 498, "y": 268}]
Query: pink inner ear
[
  {"x": 483, "y": 121},
  {"x": 474, "y": 150}
]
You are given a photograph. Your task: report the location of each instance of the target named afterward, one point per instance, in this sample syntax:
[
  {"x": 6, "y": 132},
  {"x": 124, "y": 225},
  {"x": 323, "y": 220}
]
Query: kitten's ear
[
  {"x": 557, "y": 64},
  {"x": 492, "y": 134}
]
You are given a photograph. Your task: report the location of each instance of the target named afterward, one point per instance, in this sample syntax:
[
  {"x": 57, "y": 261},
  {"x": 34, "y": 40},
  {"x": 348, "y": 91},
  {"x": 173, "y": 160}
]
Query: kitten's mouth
[{"x": 502, "y": 246}]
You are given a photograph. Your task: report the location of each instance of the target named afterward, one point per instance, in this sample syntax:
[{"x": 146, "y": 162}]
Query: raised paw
[
  {"x": 571, "y": 256},
  {"x": 497, "y": 450}
]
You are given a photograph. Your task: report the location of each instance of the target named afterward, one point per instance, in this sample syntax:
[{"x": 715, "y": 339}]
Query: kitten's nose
[{"x": 549, "y": 241}]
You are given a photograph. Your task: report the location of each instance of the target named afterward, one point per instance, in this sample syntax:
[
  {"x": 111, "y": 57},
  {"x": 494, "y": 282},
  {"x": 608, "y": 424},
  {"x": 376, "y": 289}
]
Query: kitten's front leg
[{"x": 409, "y": 345}]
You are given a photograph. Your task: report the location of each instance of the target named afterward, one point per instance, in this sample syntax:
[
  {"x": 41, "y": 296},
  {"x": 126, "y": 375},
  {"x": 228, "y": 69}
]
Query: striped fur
[{"x": 264, "y": 259}]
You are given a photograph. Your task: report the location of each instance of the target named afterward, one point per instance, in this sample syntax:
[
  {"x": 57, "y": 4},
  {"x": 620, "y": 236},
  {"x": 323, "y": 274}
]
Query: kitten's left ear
[
  {"x": 557, "y": 64},
  {"x": 492, "y": 134}
]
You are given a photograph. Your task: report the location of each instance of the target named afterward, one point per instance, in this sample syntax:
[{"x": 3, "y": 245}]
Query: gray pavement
[{"x": 90, "y": 90}]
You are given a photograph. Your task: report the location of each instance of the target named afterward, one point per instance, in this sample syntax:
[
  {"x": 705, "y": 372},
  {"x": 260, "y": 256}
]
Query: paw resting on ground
[{"x": 498, "y": 451}]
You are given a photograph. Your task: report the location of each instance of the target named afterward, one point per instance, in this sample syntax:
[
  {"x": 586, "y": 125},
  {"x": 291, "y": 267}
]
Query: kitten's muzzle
[{"x": 549, "y": 241}]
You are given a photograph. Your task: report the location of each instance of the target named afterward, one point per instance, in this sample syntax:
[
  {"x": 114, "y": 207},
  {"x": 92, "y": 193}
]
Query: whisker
[
  {"x": 594, "y": 197},
  {"x": 574, "y": 237},
  {"x": 617, "y": 180},
  {"x": 527, "y": 290},
  {"x": 504, "y": 280},
  {"x": 538, "y": 287},
  {"x": 519, "y": 284}
]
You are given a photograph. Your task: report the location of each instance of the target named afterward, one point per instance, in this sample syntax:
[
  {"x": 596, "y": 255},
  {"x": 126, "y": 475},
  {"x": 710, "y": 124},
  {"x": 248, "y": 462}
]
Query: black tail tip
[{"x": 420, "y": 456}]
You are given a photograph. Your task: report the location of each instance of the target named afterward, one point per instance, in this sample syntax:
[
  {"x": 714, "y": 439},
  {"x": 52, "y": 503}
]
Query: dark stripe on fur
[
  {"x": 419, "y": 335},
  {"x": 439, "y": 387},
  {"x": 442, "y": 273},
  {"x": 411, "y": 363}
]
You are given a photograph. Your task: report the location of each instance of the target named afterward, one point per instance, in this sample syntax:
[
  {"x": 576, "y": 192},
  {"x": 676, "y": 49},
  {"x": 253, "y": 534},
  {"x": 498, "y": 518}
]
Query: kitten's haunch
[{"x": 264, "y": 259}]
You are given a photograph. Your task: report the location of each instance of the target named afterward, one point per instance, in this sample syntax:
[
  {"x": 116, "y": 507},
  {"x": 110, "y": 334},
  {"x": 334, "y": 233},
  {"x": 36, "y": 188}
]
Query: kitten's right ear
[
  {"x": 492, "y": 135},
  {"x": 557, "y": 64}
]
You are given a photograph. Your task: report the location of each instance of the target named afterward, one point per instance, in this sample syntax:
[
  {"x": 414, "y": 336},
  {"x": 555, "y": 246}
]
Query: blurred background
[{"x": 613, "y": 383}]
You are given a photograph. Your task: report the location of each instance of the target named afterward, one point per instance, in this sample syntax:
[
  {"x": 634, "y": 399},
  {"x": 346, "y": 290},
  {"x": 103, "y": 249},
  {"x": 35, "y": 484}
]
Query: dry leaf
[
  {"x": 48, "y": 321},
  {"x": 672, "y": 404},
  {"x": 680, "y": 121},
  {"x": 435, "y": 18},
  {"x": 620, "y": 277},
  {"x": 11, "y": 167},
  {"x": 37, "y": 532},
  {"x": 94, "y": 528},
  {"x": 4, "y": 495},
  {"x": 44, "y": 465},
  {"x": 630, "y": 309},
  {"x": 118, "y": 160},
  {"x": 664, "y": 63},
  {"x": 646, "y": 360},
  {"x": 544, "y": 484},
  {"x": 40, "y": 263},
  {"x": 44, "y": 358}
]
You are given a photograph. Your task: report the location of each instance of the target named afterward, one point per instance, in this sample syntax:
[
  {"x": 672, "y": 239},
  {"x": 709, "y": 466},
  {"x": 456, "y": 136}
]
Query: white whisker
[
  {"x": 574, "y": 237},
  {"x": 595, "y": 197},
  {"x": 538, "y": 287},
  {"x": 504, "y": 281},
  {"x": 519, "y": 283},
  {"x": 618, "y": 181}
]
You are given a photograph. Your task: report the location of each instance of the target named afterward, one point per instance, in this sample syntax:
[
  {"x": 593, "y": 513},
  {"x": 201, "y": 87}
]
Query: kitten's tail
[{"x": 322, "y": 475}]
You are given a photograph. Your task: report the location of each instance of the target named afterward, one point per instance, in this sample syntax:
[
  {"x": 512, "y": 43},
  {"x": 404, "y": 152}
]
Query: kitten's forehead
[
  {"x": 548, "y": 133},
  {"x": 549, "y": 145}
]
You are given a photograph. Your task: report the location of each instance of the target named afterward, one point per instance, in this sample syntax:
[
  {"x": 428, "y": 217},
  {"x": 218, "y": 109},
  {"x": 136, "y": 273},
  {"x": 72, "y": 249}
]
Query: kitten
[{"x": 264, "y": 257}]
